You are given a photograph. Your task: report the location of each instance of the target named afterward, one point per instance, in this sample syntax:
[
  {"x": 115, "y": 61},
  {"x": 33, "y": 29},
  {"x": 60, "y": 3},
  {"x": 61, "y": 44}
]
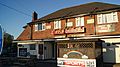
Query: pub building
[{"x": 88, "y": 31}]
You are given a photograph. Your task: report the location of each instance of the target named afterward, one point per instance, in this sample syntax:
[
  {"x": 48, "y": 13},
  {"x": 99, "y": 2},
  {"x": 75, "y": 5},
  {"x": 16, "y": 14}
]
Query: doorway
[{"x": 40, "y": 51}]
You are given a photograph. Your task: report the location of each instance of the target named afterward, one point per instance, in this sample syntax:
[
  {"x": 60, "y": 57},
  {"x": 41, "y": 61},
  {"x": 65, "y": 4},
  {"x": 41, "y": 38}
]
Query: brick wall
[{"x": 89, "y": 29}]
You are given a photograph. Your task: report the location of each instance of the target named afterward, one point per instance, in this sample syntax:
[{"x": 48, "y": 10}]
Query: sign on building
[{"x": 106, "y": 28}]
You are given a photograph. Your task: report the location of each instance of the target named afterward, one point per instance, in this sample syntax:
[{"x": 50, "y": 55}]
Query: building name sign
[
  {"x": 68, "y": 30},
  {"x": 76, "y": 62},
  {"x": 58, "y": 32},
  {"x": 74, "y": 30},
  {"x": 106, "y": 28}
]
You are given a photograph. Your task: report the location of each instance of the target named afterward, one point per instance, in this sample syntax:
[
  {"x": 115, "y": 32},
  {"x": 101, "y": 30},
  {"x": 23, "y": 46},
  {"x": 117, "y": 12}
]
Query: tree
[{"x": 7, "y": 44}]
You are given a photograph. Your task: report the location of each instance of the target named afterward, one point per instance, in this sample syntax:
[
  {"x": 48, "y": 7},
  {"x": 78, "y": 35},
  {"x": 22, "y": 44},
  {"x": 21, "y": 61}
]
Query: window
[
  {"x": 57, "y": 24},
  {"x": 115, "y": 17},
  {"x": 43, "y": 26},
  {"x": 79, "y": 21},
  {"x": 23, "y": 52},
  {"x": 99, "y": 18},
  {"x": 107, "y": 18},
  {"x": 32, "y": 46},
  {"x": 39, "y": 26}
]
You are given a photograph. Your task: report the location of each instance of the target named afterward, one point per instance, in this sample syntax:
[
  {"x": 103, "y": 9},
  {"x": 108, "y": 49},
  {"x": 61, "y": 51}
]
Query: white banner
[{"x": 62, "y": 62}]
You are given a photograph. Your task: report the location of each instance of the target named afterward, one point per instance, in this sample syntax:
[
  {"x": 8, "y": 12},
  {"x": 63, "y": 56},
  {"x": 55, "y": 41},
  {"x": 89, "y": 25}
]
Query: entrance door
[{"x": 40, "y": 51}]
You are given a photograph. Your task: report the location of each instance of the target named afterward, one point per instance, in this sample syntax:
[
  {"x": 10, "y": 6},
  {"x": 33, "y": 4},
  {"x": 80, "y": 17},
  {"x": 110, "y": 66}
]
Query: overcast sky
[{"x": 14, "y": 14}]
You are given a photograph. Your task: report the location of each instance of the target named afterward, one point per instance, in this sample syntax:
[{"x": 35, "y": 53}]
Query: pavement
[{"x": 23, "y": 62}]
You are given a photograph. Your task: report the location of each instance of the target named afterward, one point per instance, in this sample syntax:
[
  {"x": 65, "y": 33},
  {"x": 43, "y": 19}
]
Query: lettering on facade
[
  {"x": 71, "y": 32},
  {"x": 58, "y": 31},
  {"x": 106, "y": 28},
  {"x": 75, "y": 30}
]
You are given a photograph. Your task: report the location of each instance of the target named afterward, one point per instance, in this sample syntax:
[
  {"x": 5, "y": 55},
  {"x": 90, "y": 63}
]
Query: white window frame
[
  {"x": 79, "y": 21},
  {"x": 115, "y": 16},
  {"x": 37, "y": 25},
  {"x": 107, "y": 18},
  {"x": 43, "y": 26},
  {"x": 99, "y": 18},
  {"x": 57, "y": 24}
]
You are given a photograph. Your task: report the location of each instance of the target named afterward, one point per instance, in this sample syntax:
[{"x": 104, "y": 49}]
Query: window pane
[
  {"x": 32, "y": 47},
  {"x": 109, "y": 18},
  {"x": 82, "y": 21},
  {"x": 39, "y": 26},
  {"x": 115, "y": 17},
  {"x": 43, "y": 26},
  {"x": 57, "y": 24},
  {"x": 79, "y": 21},
  {"x": 99, "y": 19}
]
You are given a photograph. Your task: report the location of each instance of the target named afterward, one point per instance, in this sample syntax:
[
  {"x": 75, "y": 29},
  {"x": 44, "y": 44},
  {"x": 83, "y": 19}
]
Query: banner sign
[
  {"x": 1, "y": 39},
  {"x": 61, "y": 62}
]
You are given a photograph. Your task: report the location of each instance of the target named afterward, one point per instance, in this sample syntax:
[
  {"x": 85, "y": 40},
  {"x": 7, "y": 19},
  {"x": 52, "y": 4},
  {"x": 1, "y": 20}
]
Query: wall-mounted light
[{"x": 20, "y": 45}]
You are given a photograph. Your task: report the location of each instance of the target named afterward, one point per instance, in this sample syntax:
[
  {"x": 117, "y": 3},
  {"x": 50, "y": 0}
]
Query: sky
[{"x": 14, "y": 14}]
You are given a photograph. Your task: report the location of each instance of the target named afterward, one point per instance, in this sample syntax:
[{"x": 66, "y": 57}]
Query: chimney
[{"x": 34, "y": 16}]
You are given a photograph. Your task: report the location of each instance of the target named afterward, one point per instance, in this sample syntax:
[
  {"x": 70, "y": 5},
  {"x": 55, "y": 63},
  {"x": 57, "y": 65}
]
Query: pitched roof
[{"x": 80, "y": 9}]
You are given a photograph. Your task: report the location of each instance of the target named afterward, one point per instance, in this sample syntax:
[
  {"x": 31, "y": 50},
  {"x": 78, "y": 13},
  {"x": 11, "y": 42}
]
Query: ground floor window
[{"x": 23, "y": 52}]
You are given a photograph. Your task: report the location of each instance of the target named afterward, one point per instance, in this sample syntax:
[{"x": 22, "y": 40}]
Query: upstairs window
[
  {"x": 57, "y": 24},
  {"x": 79, "y": 21},
  {"x": 107, "y": 18},
  {"x": 115, "y": 17},
  {"x": 39, "y": 26}
]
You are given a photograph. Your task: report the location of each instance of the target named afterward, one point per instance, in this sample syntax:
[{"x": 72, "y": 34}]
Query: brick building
[{"x": 90, "y": 30}]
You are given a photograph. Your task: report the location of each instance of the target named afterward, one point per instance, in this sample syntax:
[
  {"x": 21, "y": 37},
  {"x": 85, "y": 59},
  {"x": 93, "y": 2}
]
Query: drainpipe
[
  {"x": 93, "y": 12},
  {"x": 94, "y": 25}
]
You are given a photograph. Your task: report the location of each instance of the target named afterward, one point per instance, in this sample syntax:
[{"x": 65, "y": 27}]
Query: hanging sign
[{"x": 1, "y": 40}]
